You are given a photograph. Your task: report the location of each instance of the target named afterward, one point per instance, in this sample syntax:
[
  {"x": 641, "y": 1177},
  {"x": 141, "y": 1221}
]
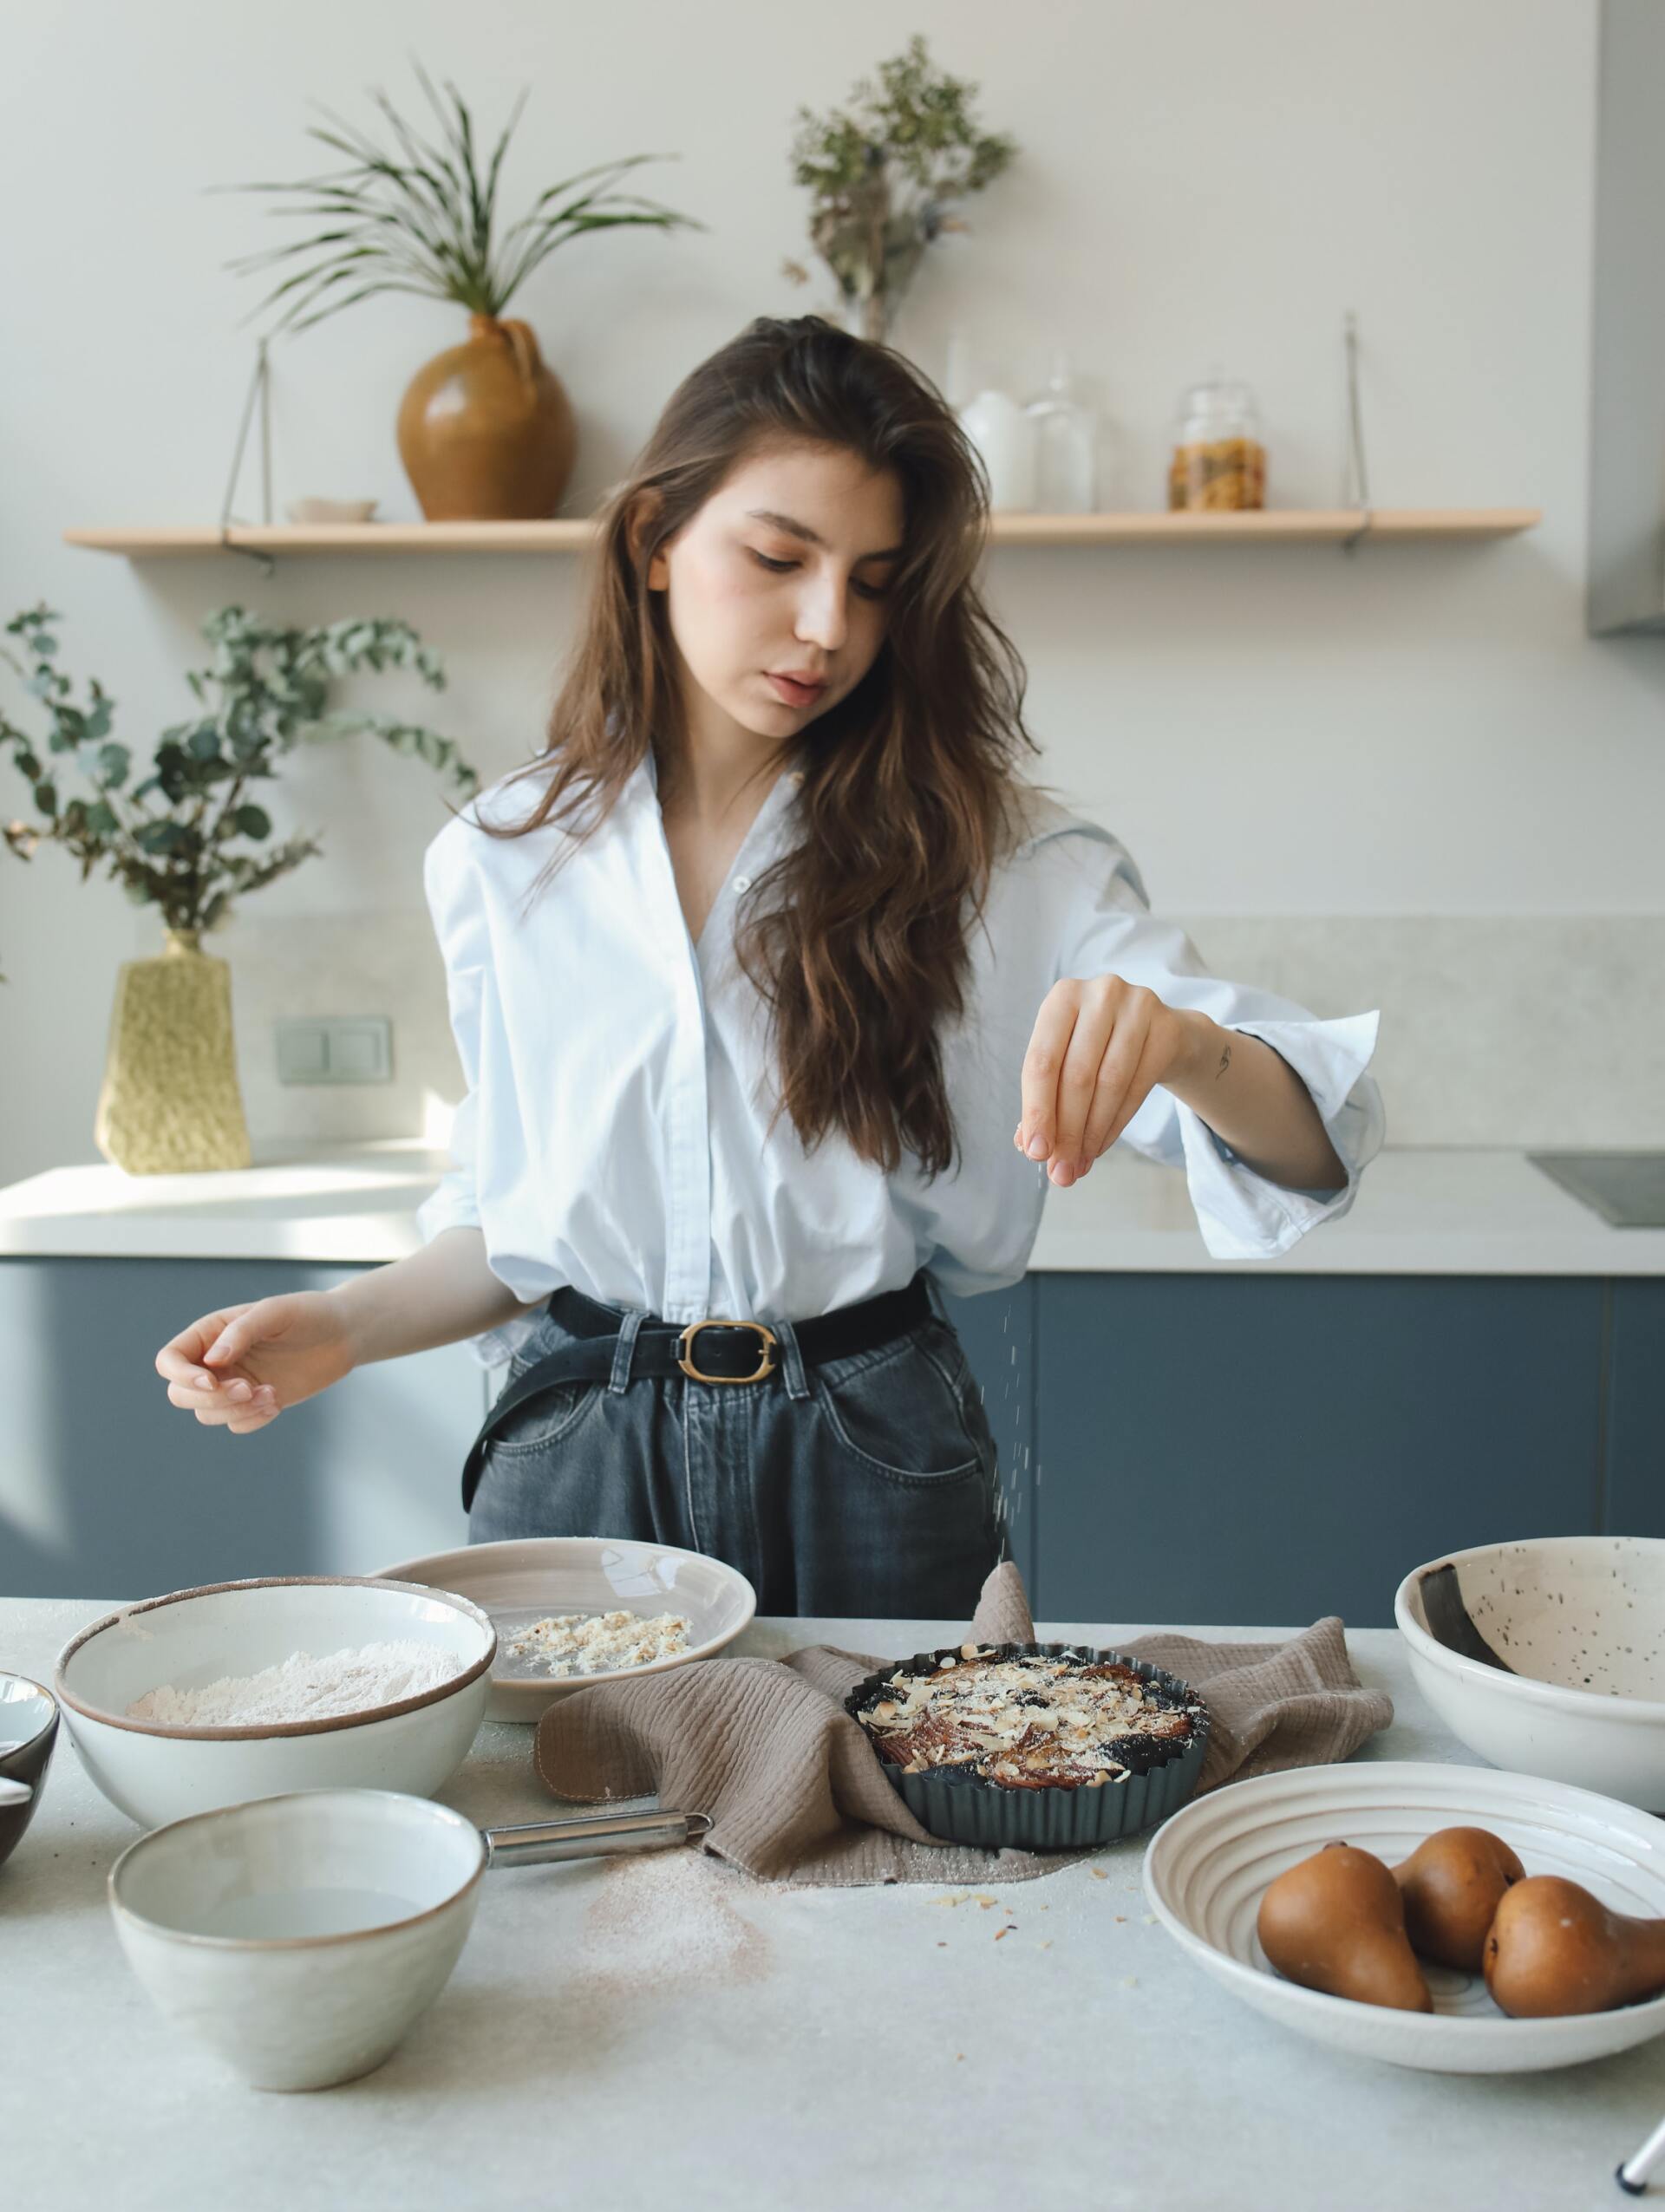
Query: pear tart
[{"x": 967, "y": 1735}]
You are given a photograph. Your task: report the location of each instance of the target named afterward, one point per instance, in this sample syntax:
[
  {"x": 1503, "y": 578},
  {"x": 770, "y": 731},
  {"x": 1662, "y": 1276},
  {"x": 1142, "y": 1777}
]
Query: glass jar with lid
[{"x": 1219, "y": 462}]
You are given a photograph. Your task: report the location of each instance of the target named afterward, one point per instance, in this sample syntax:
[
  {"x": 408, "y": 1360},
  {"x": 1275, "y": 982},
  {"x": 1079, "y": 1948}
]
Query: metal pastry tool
[{"x": 538, "y": 1842}]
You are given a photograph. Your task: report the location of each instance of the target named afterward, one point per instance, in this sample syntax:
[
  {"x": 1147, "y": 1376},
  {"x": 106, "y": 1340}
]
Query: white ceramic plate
[
  {"x": 1208, "y": 1867},
  {"x": 521, "y": 1580},
  {"x": 1582, "y": 1620}
]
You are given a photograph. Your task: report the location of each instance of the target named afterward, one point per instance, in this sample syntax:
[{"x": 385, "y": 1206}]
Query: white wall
[{"x": 1423, "y": 737}]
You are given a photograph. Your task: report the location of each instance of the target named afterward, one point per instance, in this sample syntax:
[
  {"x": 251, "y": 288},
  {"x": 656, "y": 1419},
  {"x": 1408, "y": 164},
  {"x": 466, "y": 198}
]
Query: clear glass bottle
[
  {"x": 1065, "y": 460},
  {"x": 1219, "y": 462}
]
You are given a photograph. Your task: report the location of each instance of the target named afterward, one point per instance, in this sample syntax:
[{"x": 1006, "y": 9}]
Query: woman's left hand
[{"x": 1099, "y": 1047}]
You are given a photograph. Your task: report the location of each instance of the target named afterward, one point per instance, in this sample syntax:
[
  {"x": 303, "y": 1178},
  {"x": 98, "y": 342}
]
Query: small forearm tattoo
[{"x": 1225, "y": 1063}]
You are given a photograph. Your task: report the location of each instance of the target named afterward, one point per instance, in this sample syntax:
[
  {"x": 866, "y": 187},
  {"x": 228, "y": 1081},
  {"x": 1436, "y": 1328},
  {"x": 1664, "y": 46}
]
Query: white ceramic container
[
  {"x": 522, "y": 1580},
  {"x": 300, "y": 1936},
  {"x": 1208, "y": 1868},
  {"x": 1583, "y": 1619},
  {"x": 155, "y": 1772}
]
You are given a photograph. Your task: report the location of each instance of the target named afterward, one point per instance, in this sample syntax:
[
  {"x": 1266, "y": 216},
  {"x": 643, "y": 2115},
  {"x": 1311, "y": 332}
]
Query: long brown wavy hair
[{"x": 856, "y": 939}]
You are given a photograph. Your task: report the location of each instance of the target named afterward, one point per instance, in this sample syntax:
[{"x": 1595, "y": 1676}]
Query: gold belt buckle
[{"x": 766, "y": 1362}]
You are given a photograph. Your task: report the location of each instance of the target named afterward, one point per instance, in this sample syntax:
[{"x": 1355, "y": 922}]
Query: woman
[{"x": 749, "y": 970}]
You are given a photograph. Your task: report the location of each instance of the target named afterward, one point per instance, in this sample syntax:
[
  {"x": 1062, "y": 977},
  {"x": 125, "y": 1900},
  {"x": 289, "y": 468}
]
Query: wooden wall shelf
[{"x": 1272, "y": 525}]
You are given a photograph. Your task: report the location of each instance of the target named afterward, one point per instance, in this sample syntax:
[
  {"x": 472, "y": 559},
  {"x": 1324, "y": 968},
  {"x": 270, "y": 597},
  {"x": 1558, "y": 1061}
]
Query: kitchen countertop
[
  {"x": 661, "y": 2032},
  {"x": 1438, "y": 1211}
]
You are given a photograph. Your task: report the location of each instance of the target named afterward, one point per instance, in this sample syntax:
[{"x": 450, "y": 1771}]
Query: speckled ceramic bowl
[
  {"x": 963, "y": 1808},
  {"x": 1581, "y": 1621}
]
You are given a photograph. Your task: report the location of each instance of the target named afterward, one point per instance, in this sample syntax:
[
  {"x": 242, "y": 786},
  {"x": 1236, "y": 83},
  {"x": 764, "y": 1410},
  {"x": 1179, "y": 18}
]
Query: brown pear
[
  {"x": 1452, "y": 1885},
  {"x": 1336, "y": 1922},
  {"x": 1555, "y": 1949}
]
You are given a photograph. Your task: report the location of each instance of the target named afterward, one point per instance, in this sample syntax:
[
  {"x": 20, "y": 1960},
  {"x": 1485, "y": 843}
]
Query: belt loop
[
  {"x": 933, "y": 1293},
  {"x": 624, "y": 1351},
  {"x": 792, "y": 1360}
]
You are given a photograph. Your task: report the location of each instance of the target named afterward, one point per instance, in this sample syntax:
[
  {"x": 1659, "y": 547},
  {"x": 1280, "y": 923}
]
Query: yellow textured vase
[{"x": 170, "y": 1103}]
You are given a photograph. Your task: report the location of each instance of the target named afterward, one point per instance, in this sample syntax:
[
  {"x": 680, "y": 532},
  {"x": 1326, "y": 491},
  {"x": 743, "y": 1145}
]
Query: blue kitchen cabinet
[
  {"x": 1233, "y": 1449},
  {"x": 1635, "y": 1408},
  {"x": 108, "y": 1490}
]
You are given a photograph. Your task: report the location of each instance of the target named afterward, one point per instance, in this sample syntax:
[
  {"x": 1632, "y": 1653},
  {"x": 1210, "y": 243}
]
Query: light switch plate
[{"x": 335, "y": 1049}]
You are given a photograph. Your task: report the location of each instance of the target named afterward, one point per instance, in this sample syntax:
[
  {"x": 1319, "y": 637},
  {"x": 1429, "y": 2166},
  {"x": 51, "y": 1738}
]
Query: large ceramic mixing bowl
[
  {"x": 157, "y": 1771},
  {"x": 1581, "y": 1620}
]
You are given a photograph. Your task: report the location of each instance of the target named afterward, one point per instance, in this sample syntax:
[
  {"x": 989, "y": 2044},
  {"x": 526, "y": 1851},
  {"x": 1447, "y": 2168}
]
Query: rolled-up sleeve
[
  {"x": 464, "y": 941},
  {"x": 1103, "y": 926}
]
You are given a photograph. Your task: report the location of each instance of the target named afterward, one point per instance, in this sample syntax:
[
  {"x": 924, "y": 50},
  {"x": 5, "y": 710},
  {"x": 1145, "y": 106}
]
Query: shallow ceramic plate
[
  {"x": 522, "y": 1580},
  {"x": 1207, "y": 1870},
  {"x": 1581, "y": 1621}
]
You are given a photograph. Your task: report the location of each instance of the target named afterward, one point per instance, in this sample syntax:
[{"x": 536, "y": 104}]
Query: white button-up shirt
[{"x": 612, "y": 1135}]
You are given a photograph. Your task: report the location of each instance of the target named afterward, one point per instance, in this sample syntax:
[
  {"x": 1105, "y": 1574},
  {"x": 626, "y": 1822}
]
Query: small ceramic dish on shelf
[
  {"x": 520, "y": 1580},
  {"x": 28, "y": 1729},
  {"x": 1207, "y": 1870},
  {"x": 156, "y": 1770},
  {"x": 1129, "y": 1737},
  {"x": 315, "y": 511}
]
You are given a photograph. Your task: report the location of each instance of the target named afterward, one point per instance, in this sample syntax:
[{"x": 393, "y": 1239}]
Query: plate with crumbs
[{"x": 525, "y": 1581}]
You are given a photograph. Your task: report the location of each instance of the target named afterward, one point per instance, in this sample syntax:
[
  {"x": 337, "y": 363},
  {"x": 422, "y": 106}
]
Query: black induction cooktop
[{"x": 1627, "y": 1189}]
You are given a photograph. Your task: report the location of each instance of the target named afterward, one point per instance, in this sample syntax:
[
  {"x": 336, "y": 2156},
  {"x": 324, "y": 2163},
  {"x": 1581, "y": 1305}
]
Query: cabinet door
[
  {"x": 1234, "y": 1450},
  {"x": 108, "y": 1491},
  {"x": 997, "y": 1331},
  {"x": 1635, "y": 1409}
]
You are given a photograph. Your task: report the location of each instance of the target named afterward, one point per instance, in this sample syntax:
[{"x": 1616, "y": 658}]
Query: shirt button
[{"x": 742, "y": 882}]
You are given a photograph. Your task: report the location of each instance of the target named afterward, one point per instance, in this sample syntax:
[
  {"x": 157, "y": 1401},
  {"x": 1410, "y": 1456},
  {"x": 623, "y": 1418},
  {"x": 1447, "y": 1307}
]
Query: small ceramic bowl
[
  {"x": 1581, "y": 1621},
  {"x": 157, "y": 1771},
  {"x": 300, "y": 1936},
  {"x": 316, "y": 511},
  {"x": 524, "y": 1579},
  {"x": 28, "y": 1729}
]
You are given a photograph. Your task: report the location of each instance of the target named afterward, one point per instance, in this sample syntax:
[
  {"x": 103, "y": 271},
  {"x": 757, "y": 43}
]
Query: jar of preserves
[{"x": 1218, "y": 462}]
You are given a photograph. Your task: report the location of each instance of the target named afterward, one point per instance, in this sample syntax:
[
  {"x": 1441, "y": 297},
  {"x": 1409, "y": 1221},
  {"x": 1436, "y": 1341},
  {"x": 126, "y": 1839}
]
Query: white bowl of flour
[{"x": 211, "y": 1697}]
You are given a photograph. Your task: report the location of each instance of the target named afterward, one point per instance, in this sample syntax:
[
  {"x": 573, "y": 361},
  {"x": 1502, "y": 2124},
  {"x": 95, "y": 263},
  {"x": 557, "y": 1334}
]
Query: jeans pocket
[
  {"x": 546, "y": 1419},
  {"x": 904, "y": 1414}
]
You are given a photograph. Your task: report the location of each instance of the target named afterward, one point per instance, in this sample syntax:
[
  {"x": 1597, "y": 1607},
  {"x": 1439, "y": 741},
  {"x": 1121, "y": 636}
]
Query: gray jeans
[{"x": 865, "y": 1486}]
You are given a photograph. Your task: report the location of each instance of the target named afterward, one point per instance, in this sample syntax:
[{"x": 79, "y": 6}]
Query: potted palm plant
[
  {"x": 486, "y": 428},
  {"x": 190, "y": 836}
]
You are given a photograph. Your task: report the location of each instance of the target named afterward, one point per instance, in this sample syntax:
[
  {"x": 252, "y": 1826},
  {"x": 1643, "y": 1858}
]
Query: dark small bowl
[
  {"x": 961, "y": 1807},
  {"x": 28, "y": 1728}
]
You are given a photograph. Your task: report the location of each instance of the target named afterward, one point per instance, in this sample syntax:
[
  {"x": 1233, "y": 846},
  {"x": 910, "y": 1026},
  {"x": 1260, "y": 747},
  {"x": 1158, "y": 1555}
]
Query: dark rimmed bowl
[
  {"x": 960, "y": 1807},
  {"x": 28, "y": 1729}
]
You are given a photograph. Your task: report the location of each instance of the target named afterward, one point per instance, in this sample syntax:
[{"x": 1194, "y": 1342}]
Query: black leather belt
[{"x": 716, "y": 1351}]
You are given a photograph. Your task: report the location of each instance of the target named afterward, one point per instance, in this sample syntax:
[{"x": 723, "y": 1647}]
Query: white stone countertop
[
  {"x": 1438, "y": 1211},
  {"x": 663, "y": 2033}
]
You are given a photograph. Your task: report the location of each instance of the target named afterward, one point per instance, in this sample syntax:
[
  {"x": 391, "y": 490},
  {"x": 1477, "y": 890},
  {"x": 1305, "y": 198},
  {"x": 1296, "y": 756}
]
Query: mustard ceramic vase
[
  {"x": 487, "y": 431},
  {"x": 170, "y": 1103}
]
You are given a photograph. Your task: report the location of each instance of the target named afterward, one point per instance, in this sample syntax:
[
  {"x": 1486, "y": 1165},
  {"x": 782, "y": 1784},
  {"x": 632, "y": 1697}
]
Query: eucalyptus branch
[
  {"x": 882, "y": 173},
  {"x": 267, "y": 690}
]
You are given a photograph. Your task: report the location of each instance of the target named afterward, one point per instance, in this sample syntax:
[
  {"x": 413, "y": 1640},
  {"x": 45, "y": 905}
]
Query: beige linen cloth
[{"x": 796, "y": 1793}]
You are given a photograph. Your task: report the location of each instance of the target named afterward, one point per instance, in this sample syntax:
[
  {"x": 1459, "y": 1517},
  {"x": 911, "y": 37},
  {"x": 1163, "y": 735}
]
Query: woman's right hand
[{"x": 240, "y": 1367}]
